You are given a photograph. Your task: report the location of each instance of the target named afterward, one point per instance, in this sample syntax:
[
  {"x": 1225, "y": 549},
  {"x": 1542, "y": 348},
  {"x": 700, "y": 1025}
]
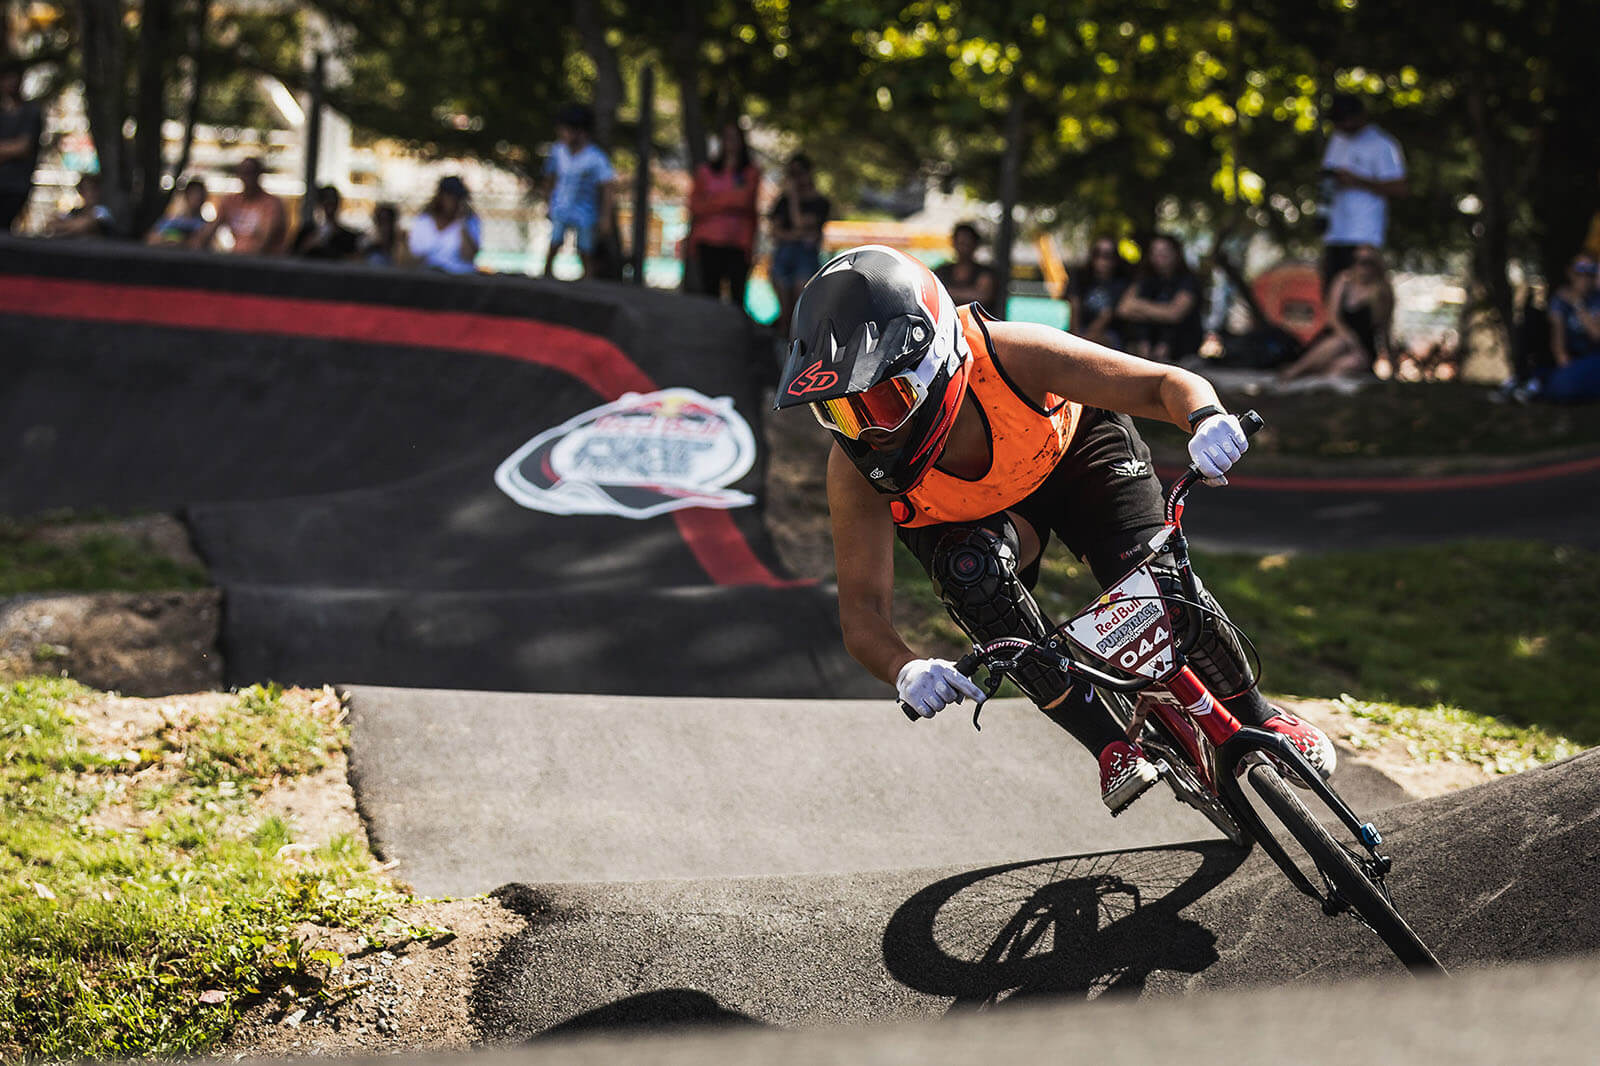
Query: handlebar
[{"x": 1251, "y": 423}]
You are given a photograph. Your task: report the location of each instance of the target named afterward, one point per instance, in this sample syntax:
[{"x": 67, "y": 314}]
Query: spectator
[
  {"x": 1161, "y": 311},
  {"x": 1574, "y": 336},
  {"x": 968, "y": 280},
  {"x": 797, "y": 218},
  {"x": 722, "y": 217},
  {"x": 90, "y": 218},
  {"x": 579, "y": 187},
  {"x": 1093, "y": 292},
  {"x": 21, "y": 126},
  {"x": 1362, "y": 170},
  {"x": 321, "y": 236},
  {"x": 1356, "y": 339},
  {"x": 183, "y": 227},
  {"x": 447, "y": 235},
  {"x": 383, "y": 244},
  {"x": 255, "y": 219}
]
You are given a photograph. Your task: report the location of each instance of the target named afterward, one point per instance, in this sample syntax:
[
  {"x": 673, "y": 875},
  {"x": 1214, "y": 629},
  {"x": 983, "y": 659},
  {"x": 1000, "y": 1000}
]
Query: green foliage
[
  {"x": 30, "y": 562},
  {"x": 137, "y": 920}
]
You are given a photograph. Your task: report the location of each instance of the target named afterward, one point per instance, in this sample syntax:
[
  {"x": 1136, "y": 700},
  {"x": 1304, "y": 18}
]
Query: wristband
[{"x": 1200, "y": 414}]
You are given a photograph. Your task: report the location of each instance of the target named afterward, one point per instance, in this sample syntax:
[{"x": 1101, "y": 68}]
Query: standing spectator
[
  {"x": 21, "y": 126},
  {"x": 254, "y": 218},
  {"x": 1093, "y": 292},
  {"x": 90, "y": 218},
  {"x": 183, "y": 226},
  {"x": 1362, "y": 170},
  {"x": 321, "y": 236},
  {"x": 968, "y": 280},
  {"x": 1356, "y": 340},
  {"x": 579, "y": 187},
  {"x": 447, "y": 235},
  {"x": 383, "y": 244},
  {"x": 1161, "y": 311},
  {"x": 722, "y": 217},
  {"x": 797, "y": 218}
]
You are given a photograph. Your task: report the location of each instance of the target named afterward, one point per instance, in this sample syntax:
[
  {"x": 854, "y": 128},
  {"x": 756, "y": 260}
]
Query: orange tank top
[{"x": 1027, "y": 442}]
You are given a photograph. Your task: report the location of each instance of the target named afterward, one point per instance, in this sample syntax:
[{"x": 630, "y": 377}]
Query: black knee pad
[
  {"x": 1218, "y": 656},
  {"x": 974, "y": 571}
]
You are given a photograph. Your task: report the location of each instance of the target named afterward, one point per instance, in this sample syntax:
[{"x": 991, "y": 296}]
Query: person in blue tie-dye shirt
[{"x": 578, "y": 184}]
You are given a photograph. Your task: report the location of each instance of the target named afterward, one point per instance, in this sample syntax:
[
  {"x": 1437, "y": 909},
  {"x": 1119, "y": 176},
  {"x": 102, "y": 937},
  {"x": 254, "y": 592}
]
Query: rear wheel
[{"x": 1350, "y": 875}]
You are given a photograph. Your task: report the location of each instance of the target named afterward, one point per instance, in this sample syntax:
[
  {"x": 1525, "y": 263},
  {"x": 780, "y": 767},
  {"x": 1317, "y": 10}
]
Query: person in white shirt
[
  {"x": 1363, "y": 169},
  {"x": 447, "y": 235}
]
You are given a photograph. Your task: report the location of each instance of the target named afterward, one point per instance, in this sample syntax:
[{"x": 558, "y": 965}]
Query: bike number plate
[{"x": 1128, "y": 627}]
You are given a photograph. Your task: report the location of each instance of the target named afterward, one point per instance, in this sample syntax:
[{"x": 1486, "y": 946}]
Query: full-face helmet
[{"x": 876, "y": 349}]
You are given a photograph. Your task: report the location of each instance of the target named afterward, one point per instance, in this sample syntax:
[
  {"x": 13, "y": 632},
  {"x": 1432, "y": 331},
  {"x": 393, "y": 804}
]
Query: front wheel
[{"x": 1345, "y": 872}]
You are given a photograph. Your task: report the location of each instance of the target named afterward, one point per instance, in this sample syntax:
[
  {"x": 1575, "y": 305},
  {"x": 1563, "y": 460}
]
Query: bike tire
[
  {"x": 1185, "y": 785},
  {"x": 1339, "y": 867}
]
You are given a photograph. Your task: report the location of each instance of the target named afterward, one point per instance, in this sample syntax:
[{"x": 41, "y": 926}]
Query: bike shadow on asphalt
[{"x": 1074, "y": 927}]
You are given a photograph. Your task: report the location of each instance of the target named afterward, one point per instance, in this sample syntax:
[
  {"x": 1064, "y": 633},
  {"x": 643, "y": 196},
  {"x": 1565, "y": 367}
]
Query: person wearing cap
[
  {"x": 448, "y": 233},
  {"x": 578, "y": 187},
  {"x": 255, "y": 219},
  {"x": 1364, "y": 169}
]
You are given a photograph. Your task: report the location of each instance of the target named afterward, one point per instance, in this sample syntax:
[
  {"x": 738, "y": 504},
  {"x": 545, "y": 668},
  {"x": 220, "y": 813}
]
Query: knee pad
[
  {"x": 974, "y": 571},
  {"x": 1218, "y": 656}
]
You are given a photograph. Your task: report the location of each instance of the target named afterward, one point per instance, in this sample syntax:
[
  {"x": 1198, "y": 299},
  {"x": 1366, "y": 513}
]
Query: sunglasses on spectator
[{"x": 1583, "y": 268}]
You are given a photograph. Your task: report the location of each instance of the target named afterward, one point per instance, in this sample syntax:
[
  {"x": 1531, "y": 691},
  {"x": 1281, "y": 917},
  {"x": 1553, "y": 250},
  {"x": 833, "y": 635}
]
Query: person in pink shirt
[
  {"x": 722, "y": 218},
  {"x": 256, "y": 219}
]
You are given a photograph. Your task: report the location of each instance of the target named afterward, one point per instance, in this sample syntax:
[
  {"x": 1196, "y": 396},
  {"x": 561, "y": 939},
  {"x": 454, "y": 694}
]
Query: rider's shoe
[
  {"x": 1312, "y": 742},
  {"x": 1124, "y": 774}
]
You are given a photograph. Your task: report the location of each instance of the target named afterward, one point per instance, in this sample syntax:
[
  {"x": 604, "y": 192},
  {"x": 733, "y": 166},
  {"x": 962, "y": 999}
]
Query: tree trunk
[
  {"x": 1492, "y": 247},
  {"x": 197, "y": 84},
  {"x": 608, "y": 83},
  {"x": 104, "y": 75},
  {"x": 147, "y": 199},
  {"x": 684, "y": 58},
  {"x": 1010, "y": 175}
]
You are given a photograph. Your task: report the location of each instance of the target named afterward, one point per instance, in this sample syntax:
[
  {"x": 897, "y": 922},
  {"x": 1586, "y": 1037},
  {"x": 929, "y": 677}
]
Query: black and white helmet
[{"x": 876, "y": 345}]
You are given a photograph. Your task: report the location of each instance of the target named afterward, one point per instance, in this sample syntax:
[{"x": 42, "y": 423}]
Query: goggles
[{"x": 886, "y": 406}]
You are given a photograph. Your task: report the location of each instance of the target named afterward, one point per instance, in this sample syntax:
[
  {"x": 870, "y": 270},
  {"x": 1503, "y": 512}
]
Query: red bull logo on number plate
[
  {"x": 638, "y": 457},
  {"x": 1128, "y": 627}
]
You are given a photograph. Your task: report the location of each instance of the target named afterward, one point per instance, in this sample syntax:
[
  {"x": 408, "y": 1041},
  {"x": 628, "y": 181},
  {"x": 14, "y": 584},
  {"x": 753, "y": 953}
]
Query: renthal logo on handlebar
[{"x": 1128, "y": 627}]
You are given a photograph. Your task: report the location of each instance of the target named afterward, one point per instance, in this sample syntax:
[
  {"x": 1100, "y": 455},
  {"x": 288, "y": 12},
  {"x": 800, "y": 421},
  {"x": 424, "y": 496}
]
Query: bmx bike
[{"x": 1205, "y": 754}]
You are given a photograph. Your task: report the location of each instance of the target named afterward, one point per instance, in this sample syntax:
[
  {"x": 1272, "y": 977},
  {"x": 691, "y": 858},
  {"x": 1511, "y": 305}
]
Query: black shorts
[{"x": 1103, "y": 500}]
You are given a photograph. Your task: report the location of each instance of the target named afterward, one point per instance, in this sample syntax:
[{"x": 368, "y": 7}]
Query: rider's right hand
[{"x": 927, "y": 685}]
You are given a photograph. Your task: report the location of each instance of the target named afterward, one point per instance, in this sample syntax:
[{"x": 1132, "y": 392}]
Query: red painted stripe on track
[
  {"x": 710, "y": 534},
  {"x": 1402, "y": 483}
]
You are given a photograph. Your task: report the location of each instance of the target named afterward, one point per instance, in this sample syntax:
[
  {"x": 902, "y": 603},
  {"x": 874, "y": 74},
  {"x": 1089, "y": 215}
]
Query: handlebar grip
[
  {"x": 1252, "y": 423},
  {"x": 905, "y": 709},
  {"x": 968, "y": 664}
]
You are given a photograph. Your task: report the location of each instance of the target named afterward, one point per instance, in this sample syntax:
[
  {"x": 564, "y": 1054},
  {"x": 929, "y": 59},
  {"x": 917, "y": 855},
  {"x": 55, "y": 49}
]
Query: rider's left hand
[{"x": 1216, "y": 445}]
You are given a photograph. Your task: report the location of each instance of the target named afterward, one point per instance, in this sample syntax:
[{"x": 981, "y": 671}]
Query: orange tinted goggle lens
[{"x": 885, "y": 406}]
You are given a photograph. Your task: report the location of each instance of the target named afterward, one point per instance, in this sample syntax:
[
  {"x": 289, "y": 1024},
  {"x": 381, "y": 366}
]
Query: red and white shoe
[
  {"x": 1124, "y": 774},
  {"x": 1312, "y": 742}
]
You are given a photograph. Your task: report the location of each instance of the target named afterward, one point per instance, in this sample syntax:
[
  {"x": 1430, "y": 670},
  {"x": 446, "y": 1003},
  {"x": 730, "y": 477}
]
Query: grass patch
[
  {"x": 145, "y": 899},
  {"x": 1505, "y": 629},
  {"x": 1445, "y": 734},
  {"x": 96, "y": 561}
]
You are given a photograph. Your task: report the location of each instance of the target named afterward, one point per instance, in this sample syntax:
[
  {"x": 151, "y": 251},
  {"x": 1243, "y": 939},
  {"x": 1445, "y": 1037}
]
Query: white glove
[
  {"x": 926, "y": 685},
  {"x": 1216, "y": 445}
]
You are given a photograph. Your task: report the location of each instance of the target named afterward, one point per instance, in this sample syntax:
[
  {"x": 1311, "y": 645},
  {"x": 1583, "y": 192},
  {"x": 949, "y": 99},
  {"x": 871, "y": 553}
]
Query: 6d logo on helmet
[{"x": 638, "y": 457}]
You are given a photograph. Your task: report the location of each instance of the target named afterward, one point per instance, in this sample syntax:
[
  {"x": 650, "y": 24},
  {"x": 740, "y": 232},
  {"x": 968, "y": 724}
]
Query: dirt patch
[{"x": 139, "y": 643}]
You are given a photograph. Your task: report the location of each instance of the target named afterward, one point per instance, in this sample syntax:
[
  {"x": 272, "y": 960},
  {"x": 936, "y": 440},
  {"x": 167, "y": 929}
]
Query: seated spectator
[
  {"x": 383, "y": 244},
  {"x": 183, "y": 227},
  {"x": 1161, "y": 311},
  {"x": 1574, "y": 337},
  {"x": 796, "y": 218},
  {"x": 255, "y": 220},
  {"x": 447, "y": 235},
  {"x": 968, "y": 280},
  {"x": 1093, "y": 291},
  {"x": 1356, "y": 339},
  {"x": 90, "y": 218},
  {"x": 321, "y": 236}
]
